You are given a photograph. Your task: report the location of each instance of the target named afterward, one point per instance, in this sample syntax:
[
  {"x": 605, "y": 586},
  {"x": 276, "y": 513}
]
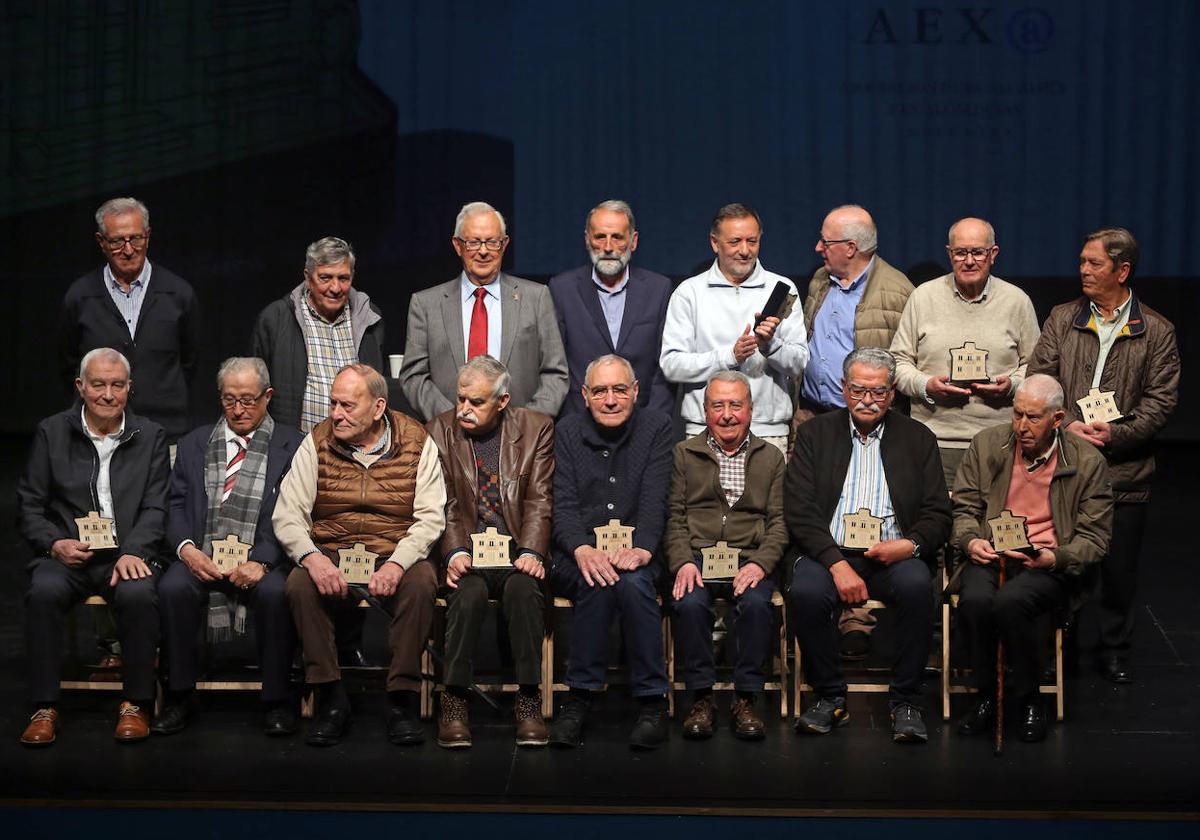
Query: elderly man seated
[
  {"x": 1059, "y": 485},
  {"x": 92, "y": 504},
  {"x": 726, "y": 486},
  {"x": 498, "y": 462},
  {"x": 225, "y": 482},
  {"x": 365, "y": 475}
]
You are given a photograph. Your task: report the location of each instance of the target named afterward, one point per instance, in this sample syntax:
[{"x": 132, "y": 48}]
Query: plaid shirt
[
  {"x": 330, "y": 347},
  {"x": 731, "y": 469}
]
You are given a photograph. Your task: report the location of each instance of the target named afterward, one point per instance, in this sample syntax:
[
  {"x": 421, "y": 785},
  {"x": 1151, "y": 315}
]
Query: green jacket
[{"x": 700, "y": 516}]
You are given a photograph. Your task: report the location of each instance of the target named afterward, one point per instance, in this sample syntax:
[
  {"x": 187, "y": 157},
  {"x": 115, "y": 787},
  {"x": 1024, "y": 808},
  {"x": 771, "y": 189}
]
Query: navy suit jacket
[
  {"x": 585, "y": 333},
  {"x": 187, "y": 505}
]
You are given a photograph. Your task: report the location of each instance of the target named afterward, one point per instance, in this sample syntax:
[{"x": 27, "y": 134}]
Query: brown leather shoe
[
  {"x": 531, "y": 726},
  {"x": 698, "y": 724},
  {"x": 746, "y": 724},
  {"x": 454, "y": 730},
  {"x": 42, "y": 728},
  {"x": 133, "y": 723}
]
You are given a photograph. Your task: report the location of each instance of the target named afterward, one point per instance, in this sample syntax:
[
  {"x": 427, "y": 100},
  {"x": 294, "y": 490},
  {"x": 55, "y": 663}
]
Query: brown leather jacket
[
  {"x": 1142, "y": 369},
  {"x": 526, "y": 480}
]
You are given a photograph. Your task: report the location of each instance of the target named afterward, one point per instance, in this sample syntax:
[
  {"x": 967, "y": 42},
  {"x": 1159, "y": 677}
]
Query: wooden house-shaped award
[
  {"x": 356, "y": 564},
  {"x": 229, "y": 553},
  {"x": 1009, "y": 532},
  {"x": 96, "y": 531},
  {"x": 862, "y": 529},
  {"x": 489, "y": 550},
  {"x": 613, "y": 536},
  {"x": 1098, "y": 407},
  {"x": 968, "y": 364},
  {"x": 720, "y": 561}
]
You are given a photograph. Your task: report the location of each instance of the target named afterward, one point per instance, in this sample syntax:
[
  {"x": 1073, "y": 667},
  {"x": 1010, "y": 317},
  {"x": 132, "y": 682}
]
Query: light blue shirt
[
  {"x": 491, "y": 302},
  {"x": 129, "y": 304},
  {"x": 1108, "y": 332},
  {"x": 865, "y": 486},
  {"x": 612, "y": 303},
  {"x": 832, "y": 340}
]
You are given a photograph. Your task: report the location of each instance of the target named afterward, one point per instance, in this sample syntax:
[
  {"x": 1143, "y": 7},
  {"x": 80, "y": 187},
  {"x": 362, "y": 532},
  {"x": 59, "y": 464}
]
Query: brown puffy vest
[{"x": 371, "y": 505}]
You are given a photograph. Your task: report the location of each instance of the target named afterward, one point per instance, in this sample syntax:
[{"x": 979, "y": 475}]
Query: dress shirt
[
  {"x": 731, "y": 469},
  {"x": 105, "y": 445},
  {"x": 865, "y": 486},
  {"x": 491, "y": 302},
  {"x": 832, "y": 340},
  {"x": 1107, "y": 332},
  {"x": 129, "y": 304},
  {"x": 612, "y": 303},
  {"x": 233, "y": 443}
]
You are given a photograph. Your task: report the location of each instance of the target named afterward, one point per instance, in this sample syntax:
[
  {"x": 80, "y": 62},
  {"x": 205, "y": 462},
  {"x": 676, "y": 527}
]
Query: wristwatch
[{"x": 916, "y": 548}]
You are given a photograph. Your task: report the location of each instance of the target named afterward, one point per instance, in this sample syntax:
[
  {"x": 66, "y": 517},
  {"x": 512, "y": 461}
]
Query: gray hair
[
  {"x": 873, "y": 357},
  {"x": 376, "y": 384},
  {"x": 106, "y": 354},
  {"x": 734, "y": 211},
  {"x": 1119, "y": 244},
  {"x": 117, "y": 206},
  {"x": 328, "y": 251},
  {"x": 609, "y": 359},
  {"x": 991, "y": 231},
  {"x": 731, "y": 376},
  {"x": 1045, "y": 388},
  {"x": 863, "y": 233},
  {"x": 490, "y": 370},
  {"x": 614, "y": 205},
  {"x": 473, "y": 208},
  {"x": 240, "y": 364}
]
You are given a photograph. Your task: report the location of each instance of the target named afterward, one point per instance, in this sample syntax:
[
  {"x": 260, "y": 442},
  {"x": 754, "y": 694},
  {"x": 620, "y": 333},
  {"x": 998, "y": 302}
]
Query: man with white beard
[{"x": 611, "y": 307}]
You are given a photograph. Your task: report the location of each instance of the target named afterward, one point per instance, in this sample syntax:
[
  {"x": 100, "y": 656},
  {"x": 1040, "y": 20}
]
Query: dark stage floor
[{"x": 1122, "y": 752}]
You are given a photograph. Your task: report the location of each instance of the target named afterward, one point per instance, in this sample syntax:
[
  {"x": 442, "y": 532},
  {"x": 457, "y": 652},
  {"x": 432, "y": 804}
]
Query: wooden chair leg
[
  {"x": 426, "y": 685},
  {"x": 547, "y": 676},
  {"x": 669, "y": 658},
  {"x": 797, "y": 679},
  {"x": 1058, "y": 672},
  {"x": 945, "y": 662},
  {"x": 783, "y": 664}
]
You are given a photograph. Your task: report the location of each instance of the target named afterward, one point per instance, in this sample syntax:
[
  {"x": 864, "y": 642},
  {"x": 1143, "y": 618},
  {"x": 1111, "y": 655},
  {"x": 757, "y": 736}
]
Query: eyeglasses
[
  {"x": 827, "y": 242},
  {"x": 473, "y": 245},
  {"x": 961, "y": 254},
  {"x": 858, "y": 392},
  {"x": 618, "y": 391},
  {"x": 245, "y": 402},
  {"x": 116, "y": 243}
]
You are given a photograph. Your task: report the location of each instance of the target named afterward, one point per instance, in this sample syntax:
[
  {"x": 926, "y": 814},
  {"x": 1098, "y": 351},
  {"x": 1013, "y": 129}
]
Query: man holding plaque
[
  {"x": 866, "y": 504},
  {"x": 968, "y": 305},
  {"x": 1110, "y": 342},
  {"x": 717, "y": 321},
  {"x": 498, "y": 462},
  {"x": 365, "y": 484},
  {"x": 1059, "y": 485},
  {"x": 726, "y": 501},
  {"x": 92, "y": 505},
  {"x": 222, "y": 496},
  {"x": 612, "y": 467}
]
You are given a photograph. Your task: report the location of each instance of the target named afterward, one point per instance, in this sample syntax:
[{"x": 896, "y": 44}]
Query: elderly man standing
[
  {"x": 499, "y": 467},
  {"x": 94, "y": 459},
  {"x": 850, "y": 467},
  {"x": 1109, "y": 339},
  {"x": 365, "y": 475},
  {"x": 612, "y": 307},
  {"x": 726, "y": 486},
  {"x": 144, "y": 311},
  {"x": 483, "y": 311},
  {"x": 1059, "y": 484},
  {"x": 314, "y": 331},
  {"x": 612, "y": 464},
  {"x": 224, "y": 483},
  {"x": 969, "y": 304},
  {"x": 711, "y": 327}
]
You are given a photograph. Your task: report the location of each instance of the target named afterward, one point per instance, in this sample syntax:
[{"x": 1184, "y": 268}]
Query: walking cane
[{"x": 998, "y": 736}]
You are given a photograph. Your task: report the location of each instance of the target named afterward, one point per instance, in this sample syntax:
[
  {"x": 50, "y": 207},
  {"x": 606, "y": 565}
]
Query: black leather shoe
[
  {"x": 404, "y": 728},
  {"x": 280, "y": 721},
  {"x": 1033, "y": 723},
  {"x": 567, "y": 729},
  {"x": 650, "y": 729},
  {"x": 329, "y": 728},
  {"x": 979, "y": 720},
  {"x": 1115, "y": 669},
  {"x": 173, "y": 718}
]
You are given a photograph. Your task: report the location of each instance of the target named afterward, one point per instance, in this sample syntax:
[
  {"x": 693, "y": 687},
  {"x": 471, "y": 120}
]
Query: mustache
[
  {"x": 871, "y": 407},
  {"x": 467, "y": 415}
]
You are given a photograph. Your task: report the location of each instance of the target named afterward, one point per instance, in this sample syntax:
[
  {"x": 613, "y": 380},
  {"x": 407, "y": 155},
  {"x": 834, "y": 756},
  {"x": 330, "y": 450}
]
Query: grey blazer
[{"x": 530, "y": 346}]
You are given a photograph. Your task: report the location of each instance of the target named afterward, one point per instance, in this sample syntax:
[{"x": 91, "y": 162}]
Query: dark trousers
[
  {"x": 633, "y": 596},
  {"x": 523, "y": 606},
  {"x": 55, "y": 588},
  {"x": 1118, "y": 577},
  {"x": 184, "y": 608},
  {"x": 985, "y": 608},
  {"x": 815, "y": 606},
  {"x": 693, "y": 630},
  {"x": 411, "y": 610}
]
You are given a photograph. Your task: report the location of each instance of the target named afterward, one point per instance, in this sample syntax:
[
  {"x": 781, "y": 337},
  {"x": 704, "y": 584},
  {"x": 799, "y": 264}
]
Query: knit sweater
[{"x": 936, "y": 319}]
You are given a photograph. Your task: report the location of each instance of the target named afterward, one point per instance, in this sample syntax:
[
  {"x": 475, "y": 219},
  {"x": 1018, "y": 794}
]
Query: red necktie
[
  {"x": 234, "y": 466},
  {"x": 477, "y": 344}
]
